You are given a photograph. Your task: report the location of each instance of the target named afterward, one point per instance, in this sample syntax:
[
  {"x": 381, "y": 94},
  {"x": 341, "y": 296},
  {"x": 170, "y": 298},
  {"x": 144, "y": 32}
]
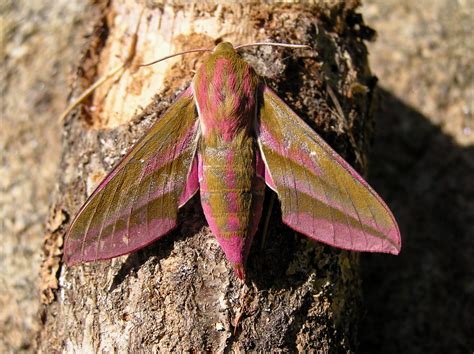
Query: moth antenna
[
  {"x": 273, "y": 44},
  {"x": 176, "y": 54}
]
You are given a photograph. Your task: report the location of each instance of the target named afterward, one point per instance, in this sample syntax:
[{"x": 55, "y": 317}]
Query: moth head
[{"x": 224, "y": 47}]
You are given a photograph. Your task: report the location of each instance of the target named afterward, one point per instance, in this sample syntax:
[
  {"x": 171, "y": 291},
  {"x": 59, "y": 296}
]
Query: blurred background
[{"x": 422, "y": 163}]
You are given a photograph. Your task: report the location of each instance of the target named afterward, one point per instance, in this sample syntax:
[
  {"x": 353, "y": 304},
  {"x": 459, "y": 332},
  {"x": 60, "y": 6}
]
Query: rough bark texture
[
  {"x": 39, "y": 42},
  {"x": 180, "y": 294}
]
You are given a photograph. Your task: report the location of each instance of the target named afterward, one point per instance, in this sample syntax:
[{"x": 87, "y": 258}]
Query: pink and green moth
[{"x": 227, "y": 137}]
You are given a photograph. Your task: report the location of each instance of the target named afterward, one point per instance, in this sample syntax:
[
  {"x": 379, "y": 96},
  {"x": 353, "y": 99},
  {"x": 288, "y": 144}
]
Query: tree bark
[{"x": 180, "y": 294}]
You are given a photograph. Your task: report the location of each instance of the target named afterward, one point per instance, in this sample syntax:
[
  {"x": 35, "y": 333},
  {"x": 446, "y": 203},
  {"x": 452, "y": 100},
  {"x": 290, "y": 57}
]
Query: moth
[{"x": 228, "y": 136}]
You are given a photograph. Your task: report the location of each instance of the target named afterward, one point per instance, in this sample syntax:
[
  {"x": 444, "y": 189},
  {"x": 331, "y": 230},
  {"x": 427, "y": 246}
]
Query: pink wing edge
[
  {"x": 190, "y": 189},
  {"x": 263, "y": 172}
]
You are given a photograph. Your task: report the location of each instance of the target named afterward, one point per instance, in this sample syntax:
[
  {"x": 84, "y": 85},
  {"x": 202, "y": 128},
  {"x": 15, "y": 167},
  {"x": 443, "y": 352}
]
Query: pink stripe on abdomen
[{"x": 232, "y": 199}]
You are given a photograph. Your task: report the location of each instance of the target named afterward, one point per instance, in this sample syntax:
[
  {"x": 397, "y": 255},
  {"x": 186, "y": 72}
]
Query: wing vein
[
  {"x": 119, "y": 186},
  {"x": 88, "y": 227}
]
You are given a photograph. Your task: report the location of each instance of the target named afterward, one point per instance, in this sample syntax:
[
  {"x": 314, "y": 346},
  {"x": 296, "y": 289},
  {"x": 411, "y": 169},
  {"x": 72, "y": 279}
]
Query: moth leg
[
  {"x": 119, "y": 68},
  {"x": 267, "y": 220}
]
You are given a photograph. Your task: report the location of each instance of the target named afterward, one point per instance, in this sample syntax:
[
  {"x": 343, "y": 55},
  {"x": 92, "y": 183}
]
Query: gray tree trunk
[{"x": 179, "y": 293}]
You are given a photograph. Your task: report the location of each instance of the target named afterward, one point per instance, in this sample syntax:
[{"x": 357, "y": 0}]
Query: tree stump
[{"x": 180, "y": 294}]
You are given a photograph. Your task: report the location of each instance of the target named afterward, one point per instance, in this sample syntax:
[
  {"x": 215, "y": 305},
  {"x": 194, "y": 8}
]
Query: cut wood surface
[{"x": 180, "y": 293}]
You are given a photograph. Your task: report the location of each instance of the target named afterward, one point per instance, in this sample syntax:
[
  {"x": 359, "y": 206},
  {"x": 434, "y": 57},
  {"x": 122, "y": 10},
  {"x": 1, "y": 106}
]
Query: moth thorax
[{"x": 225, "y": 90}]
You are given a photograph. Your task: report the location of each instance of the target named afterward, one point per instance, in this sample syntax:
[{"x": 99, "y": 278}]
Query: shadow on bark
[{"x": 420, "y": 301}]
